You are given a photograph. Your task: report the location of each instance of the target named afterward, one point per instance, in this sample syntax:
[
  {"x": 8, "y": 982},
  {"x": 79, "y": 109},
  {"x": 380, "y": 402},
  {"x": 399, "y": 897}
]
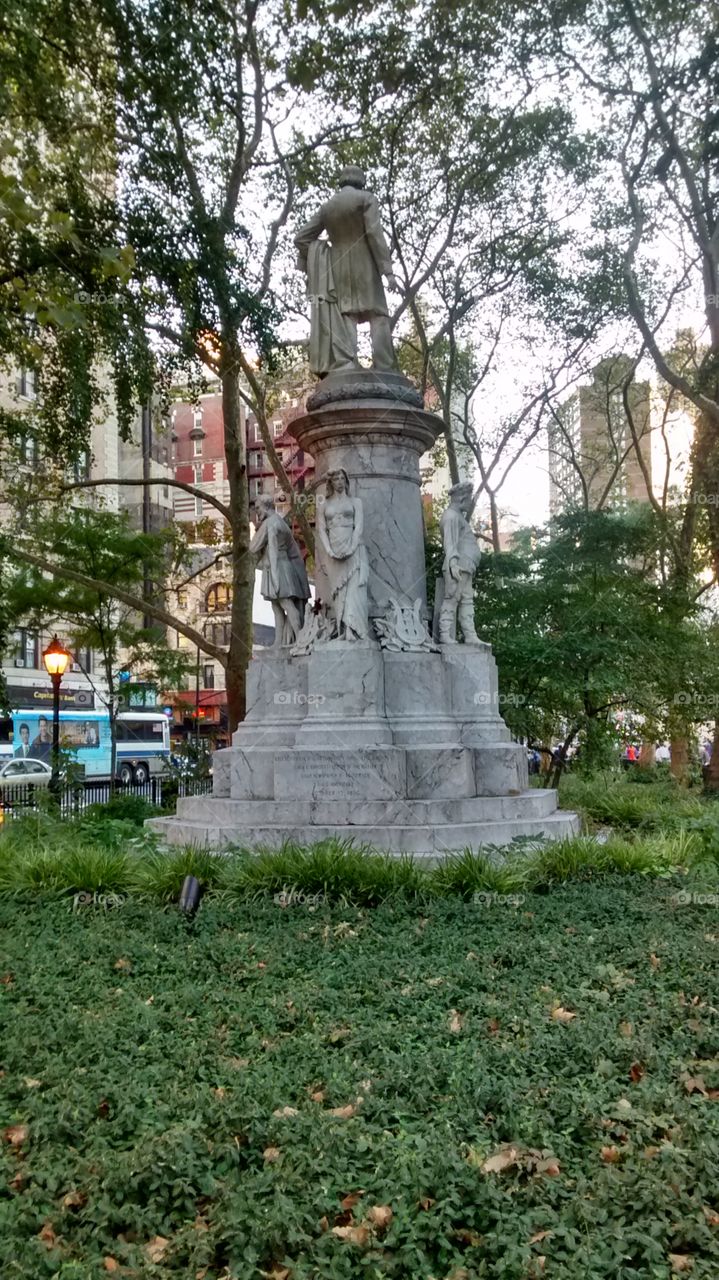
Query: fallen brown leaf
[
  {"x": 349, "y": 1201},
  {"x": 318, "y": 1095},
  {"x": 271, "y": 1154},
  {"x": 637, "y": 1072},
  {"x": 7, "y": 979},
  {"x": 353, "y": 1235},
  {"x": 47, "y": 1235},
  {"x": 380, "y": 1215},
  {"x": 339, "y": 1034},
  {"x": 124, "y": 964},
  {"x": 156, "y": 1248},
  {"x": 343, "y": 1113},
  {"x": 220, "y": 1092},
  {"x": 626, "y": 1029},
  {"x": 610, "y": 1155},
  {"x": 110, "y": 1264},
  {"x": 493, "y": 1026},
  {"x": 31, "y": 1083},
  {"x": 465, "y": 1236},
  {"x": 283, "y": 1113},
  {"x": 238, "y": 1064},
  {"x": 654, "y": 961},
  {"x": 17, "y": 1134},
  {"x": 501, "y": 1160},
  {"x": 426, "y": 1203},
  {"x": 563, "y": 1015},
  {"x": 680, "y": 1262},
  {"x": 541, "y": 1235},
  {"x": 324, "y": 1223},
  {"x": 694, "y": 1084},
  {"x": 456, "y": 1021},
  {"x": 711, "y": 1216},
  {"x": 74, "y": 1200}
]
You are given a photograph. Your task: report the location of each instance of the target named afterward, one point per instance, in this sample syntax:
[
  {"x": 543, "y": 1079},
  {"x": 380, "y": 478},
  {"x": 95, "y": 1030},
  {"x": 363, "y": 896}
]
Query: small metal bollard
[{"x": 190, "y": 895}]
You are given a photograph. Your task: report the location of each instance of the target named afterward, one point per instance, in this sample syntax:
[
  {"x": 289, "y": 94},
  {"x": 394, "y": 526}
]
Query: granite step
[
  {"x": 432, "y": 841},
  {"x": 218, "y": 811}
]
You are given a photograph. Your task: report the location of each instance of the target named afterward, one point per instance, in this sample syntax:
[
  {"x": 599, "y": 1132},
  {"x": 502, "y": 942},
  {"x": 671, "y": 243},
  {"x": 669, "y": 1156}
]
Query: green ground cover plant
[{"x": 504, "y": 1086}]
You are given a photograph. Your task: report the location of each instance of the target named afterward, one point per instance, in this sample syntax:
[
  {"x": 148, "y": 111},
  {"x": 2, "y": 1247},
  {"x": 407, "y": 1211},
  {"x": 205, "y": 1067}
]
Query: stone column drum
[{"x": 378, "y": 439}]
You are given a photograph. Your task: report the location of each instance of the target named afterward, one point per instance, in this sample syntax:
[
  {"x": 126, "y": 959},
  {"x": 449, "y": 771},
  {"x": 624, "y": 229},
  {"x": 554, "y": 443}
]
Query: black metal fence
[{"x": 161, "y": 790}]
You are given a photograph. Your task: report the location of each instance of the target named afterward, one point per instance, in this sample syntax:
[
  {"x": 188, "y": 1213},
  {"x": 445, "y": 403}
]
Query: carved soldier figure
[
  {"x": 344, "y": 558},
  {"x": 284, "y": 578},
  {"x": 461, "y": 557},
  {"x": 345, "y": 277}
]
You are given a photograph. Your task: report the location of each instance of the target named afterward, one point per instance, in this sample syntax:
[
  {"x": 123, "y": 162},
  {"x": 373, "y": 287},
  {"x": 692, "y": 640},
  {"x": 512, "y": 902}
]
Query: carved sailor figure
[{"x": 461, "y": 557}]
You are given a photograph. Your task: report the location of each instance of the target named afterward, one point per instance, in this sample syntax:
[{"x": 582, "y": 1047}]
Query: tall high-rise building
[{"x": 593, "y": 460}]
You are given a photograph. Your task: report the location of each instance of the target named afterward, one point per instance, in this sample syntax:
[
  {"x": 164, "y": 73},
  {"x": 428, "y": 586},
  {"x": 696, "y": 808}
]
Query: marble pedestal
[{"x": 405, "y": 752}]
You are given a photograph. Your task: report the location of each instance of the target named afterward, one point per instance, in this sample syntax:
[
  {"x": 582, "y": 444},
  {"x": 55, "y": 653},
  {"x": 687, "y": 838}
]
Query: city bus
[{"x": 143, "y": 741}]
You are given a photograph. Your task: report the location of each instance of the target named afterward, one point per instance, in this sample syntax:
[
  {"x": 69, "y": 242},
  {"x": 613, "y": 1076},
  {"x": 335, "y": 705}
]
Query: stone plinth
[{"x": 437, "y": 773}]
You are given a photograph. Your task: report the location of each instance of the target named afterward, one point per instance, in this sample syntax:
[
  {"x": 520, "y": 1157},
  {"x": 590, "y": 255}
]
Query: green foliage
[
  {"x": 619, "y": 802},
  {"x": 122, "y": 807},
  {"x": 151, "y": 1063},
  {"x": 582, "y": 626}
]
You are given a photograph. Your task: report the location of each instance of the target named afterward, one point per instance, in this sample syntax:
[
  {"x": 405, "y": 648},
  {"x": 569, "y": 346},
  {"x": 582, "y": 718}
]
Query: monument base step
[{"x": 503, "y": 819}]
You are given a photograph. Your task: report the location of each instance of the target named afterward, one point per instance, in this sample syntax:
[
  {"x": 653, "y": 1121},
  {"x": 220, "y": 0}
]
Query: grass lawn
[{"x": 453, "y": 1089}]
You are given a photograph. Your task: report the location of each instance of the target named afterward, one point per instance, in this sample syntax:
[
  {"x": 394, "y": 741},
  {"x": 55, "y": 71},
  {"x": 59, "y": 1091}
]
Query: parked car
[{"x": 24, "y": 773}]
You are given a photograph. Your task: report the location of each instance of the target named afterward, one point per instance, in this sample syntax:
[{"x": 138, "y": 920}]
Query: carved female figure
[{"x": 344, "y": 558}]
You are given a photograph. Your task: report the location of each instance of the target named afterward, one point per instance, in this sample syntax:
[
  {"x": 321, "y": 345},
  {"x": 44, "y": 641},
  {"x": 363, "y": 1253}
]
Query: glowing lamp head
[{"x": 55, "y": 658}]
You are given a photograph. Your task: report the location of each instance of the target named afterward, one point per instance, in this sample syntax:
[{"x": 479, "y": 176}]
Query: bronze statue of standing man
[{"x": 344, "y": 277}]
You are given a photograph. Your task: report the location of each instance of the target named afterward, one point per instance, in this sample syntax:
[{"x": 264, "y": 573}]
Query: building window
[
  {"x": 218, "y": 633},
  {"x": 198, "y": 473},
  {"x": 28, "y": 449},
  {"x": 208, "y": 677},
  {"x": 81, "y": 466},
  {"x": 182, "y": 598},
  {"x": 82, "y": 661},
  {"x": 197, "y": 446},
  {"x": 197, "y": 419},
  {"x": 256, "y": 487},
  {"x": 218, "y": 598},
  {"x": 26, "y": 384},
  {"x": 27, "y": 649},
  {"x": 198, "y": 506},
  {"x": 277, "y": 427},
  {"x": 257, "y": 460}
]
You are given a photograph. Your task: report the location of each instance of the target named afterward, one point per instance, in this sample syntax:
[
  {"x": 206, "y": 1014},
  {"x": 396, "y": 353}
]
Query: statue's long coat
[{"x": 359, "y": 252}]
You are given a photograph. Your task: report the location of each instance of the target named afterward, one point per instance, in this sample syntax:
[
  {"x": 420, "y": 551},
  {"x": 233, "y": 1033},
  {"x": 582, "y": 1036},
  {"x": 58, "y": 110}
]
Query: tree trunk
[
  {"x": 494, "y": 516},
  {"x": 711, "y": 772},
  {"x": 242, "y": 563},
  {"x": 647, "y": 755},
  {"x": 679, "y": 747}
]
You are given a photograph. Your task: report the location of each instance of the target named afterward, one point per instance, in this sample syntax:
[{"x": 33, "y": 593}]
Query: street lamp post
[{"x": 56, "y": 659}]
